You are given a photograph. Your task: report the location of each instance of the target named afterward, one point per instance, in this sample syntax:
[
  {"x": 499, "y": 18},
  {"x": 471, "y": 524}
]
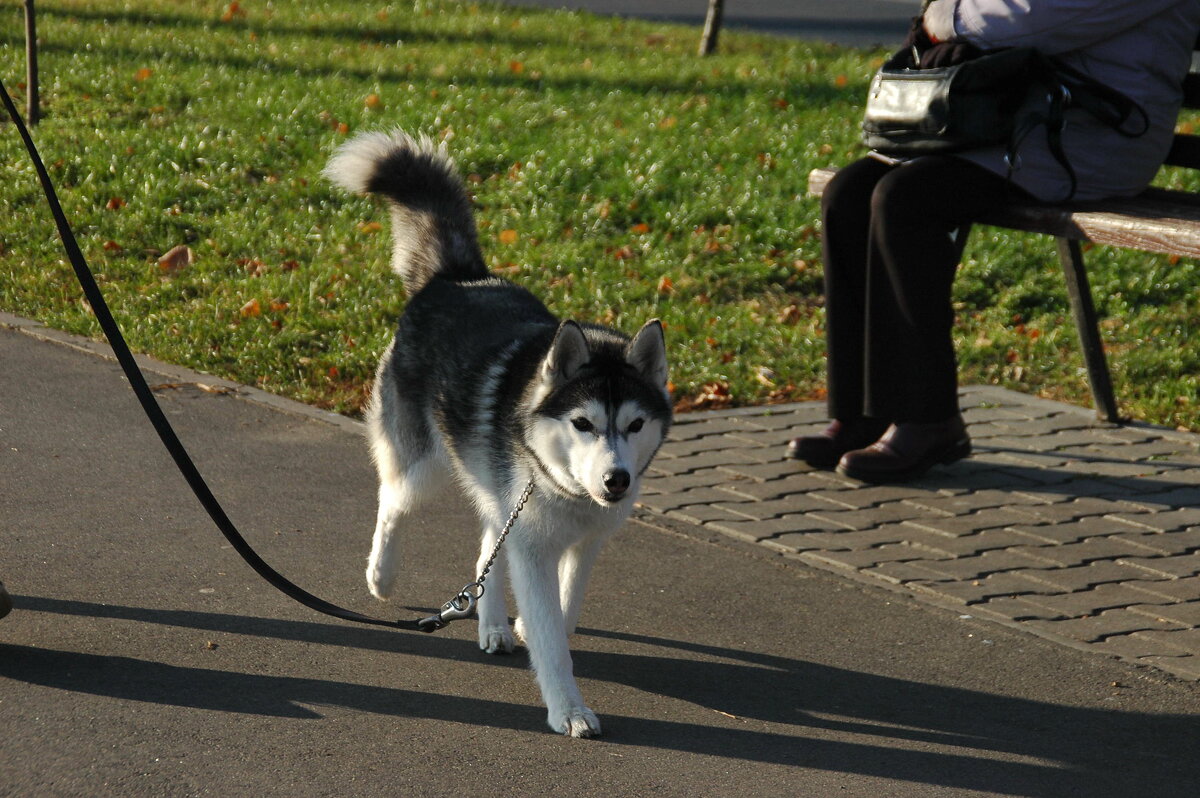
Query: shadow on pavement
[{"x": 883, "y": 726}]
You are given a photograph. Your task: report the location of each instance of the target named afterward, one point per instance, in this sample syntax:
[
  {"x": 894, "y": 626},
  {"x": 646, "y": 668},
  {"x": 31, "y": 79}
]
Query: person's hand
[{"x": 938, "y": 20}]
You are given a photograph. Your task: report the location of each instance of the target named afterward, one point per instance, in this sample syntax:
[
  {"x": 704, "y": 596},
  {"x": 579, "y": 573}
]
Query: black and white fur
[{"x": 484, "y": 387}]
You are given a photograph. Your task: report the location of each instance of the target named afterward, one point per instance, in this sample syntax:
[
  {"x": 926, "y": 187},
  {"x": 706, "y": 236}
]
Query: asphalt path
[
  {"x": 860, "y": 23},
  {"x": 145, "y": 659}
]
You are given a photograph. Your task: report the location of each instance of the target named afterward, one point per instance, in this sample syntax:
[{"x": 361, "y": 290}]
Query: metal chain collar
[{"x": 463, "y": 604}]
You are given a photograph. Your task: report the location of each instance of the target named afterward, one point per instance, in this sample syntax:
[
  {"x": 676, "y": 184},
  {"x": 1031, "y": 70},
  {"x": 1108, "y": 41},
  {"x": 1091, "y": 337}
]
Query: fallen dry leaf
[
  {"x": 712, "y": 395},
  {"x": 253, "y": 266},
  {"x": 508, "y": 236},
  {"x": 765, "y": 375},
  {"x": 790, "y": 314},
  {"x": 785, "y": 393},
  {"x": 176, "y": 258},
  {"x": 251, "y": 308}
]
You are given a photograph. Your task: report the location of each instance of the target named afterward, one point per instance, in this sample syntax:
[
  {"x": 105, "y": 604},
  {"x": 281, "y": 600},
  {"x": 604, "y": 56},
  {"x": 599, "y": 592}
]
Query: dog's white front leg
[
  {"x": 535, "y": 584},
  {"x": 495, "y": 637},
  {"x": 573, "y": 573}
]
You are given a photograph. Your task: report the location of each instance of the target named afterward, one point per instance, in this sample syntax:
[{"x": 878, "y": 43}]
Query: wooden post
[
  {"x": 33, "y": 111},
  {"x": 712, "y": 27}
]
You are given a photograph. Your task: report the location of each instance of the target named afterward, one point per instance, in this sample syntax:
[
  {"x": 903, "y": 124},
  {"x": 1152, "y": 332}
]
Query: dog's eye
[
  {"x": 582, "y": 424},
  {"x": 636, "y": 425}
]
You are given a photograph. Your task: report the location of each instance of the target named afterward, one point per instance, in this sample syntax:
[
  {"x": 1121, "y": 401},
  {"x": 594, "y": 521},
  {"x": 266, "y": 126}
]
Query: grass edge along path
[{"x": 615, "y": 174}]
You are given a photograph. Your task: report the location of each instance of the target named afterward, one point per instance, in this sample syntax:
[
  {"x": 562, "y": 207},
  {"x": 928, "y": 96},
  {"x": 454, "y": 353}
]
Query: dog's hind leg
[
  {"x": 399, "y": 494},
  {"x": 411, "y": 468}
]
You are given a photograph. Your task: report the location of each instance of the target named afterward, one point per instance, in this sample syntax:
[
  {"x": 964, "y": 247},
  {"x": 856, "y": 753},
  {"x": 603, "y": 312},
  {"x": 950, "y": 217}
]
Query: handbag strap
[
  {"x": 1067, "y": 87},
  {"x": 1099, "y": 99},
  {"x": 1054, "y": 119}
]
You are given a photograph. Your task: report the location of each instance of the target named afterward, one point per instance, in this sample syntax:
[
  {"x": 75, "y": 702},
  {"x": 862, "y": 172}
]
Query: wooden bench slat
[
  {"x": 1147, "y": 223},
  {"x": 818, "y": 179},
  {"x": 1156, "y": 221}
]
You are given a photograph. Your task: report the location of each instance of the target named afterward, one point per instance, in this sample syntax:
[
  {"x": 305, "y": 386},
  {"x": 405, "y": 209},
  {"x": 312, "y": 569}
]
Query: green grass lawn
[{"x": 616, "y": 174}]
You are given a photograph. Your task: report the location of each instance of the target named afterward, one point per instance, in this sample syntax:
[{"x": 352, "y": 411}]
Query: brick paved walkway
[{"x": 1084, "y": 533}]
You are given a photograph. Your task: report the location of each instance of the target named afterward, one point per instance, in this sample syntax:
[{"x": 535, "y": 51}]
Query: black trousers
[{"x": 890, "y": 257}]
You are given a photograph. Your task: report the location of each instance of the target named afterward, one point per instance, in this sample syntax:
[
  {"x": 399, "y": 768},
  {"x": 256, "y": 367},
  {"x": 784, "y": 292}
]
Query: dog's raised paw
[
  {"x": 577, "y": 722},
  {"x": 496, "y": 640}
]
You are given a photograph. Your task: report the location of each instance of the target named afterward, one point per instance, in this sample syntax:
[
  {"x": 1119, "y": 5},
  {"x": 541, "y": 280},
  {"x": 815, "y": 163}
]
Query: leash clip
[
  {"x": 460, "y": 607},
  {"x": 463, "y": 604}
]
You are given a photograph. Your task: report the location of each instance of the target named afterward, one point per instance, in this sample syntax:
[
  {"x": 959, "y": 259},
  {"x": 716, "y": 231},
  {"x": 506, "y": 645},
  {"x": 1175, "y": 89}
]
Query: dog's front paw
[
  {"x": 379, "y": 583},
  {"x": 575, "y": 722},
  {"x": 496, "y": 640}
]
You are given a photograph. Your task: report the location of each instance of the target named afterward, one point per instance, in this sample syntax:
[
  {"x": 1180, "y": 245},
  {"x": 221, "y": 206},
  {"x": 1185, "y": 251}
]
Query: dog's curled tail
[{"x": 433, "y": 229}]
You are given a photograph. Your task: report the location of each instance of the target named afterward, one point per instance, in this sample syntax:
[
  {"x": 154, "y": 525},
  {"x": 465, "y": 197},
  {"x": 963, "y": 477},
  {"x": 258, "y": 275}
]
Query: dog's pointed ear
[
  {"x": 647, "y": 353},
  {"x": 568, "y": 354}
]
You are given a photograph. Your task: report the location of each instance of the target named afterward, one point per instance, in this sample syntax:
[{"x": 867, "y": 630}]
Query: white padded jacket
[{"x": 1142, "y": 48}]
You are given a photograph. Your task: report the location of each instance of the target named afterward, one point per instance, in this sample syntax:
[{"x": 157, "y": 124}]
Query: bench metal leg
[{"x": 1082, "y": 308}]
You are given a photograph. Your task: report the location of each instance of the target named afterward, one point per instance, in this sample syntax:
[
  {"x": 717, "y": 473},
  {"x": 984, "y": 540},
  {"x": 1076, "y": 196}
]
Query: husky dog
[{"x": 483, "y": 386}]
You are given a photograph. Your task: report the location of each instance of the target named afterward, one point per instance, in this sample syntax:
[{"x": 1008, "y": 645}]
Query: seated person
[{"x": 888, "y": 224}]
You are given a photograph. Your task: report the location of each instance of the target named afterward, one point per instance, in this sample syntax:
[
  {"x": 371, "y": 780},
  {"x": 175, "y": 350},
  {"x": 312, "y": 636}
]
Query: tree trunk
[
  {"x": 33, "y": 111},
  {"x": 712, "y": 27}
]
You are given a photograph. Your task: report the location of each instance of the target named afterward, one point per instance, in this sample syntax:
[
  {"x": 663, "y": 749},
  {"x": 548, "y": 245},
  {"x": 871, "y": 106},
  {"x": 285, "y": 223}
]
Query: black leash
[{"x": 150, "y": 405}]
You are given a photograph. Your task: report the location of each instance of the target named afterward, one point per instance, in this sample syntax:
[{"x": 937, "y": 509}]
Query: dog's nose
[{"x": 617, "y": 482}]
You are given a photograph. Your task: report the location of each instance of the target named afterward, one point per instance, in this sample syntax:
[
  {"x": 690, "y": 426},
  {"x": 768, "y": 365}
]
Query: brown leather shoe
[
  {"x": 825, "y": 449},
  {"x": 908, "y": 450},
  {"x": 5, "y": 601}
]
